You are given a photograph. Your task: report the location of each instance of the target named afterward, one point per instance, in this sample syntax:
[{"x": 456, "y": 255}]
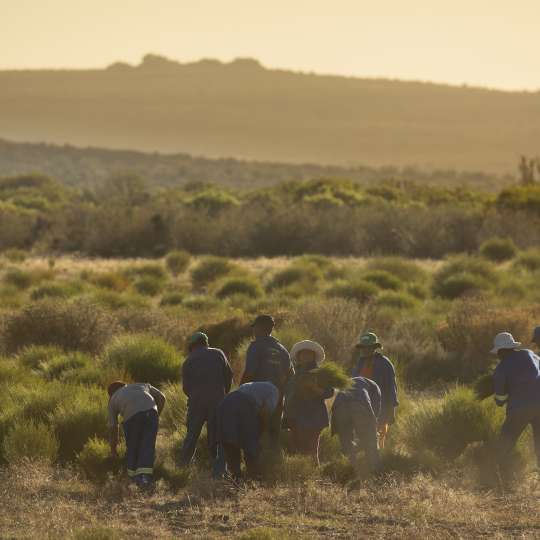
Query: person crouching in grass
[{"x": 139, "y": 405}]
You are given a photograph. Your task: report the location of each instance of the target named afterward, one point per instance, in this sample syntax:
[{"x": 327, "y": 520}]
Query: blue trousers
[
  {"x": 515, "y": 423},
  {"x": 356, "y": 428},
  {"x": 141, "y": 431},
  {"x": 199, "y": 414}
]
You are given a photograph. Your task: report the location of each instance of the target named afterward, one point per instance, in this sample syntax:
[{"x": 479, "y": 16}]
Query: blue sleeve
[
  {"x": 186, "y": 377},
  {"x": 227, "y": 373},
  {"x": 392, "y": 386},
  {"x": 500, "y": 384},
  {"x": 375, "y": 397}
]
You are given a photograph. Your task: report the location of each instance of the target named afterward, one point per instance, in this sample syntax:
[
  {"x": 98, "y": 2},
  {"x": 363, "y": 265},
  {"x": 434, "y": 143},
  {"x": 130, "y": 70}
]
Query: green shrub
[
  {"x": 246, "y": 286},
  {"x": 173, "y": 417},
  {"x": 462, "y": 284},
  {"x": 15, "y": 255},
  {"x": 72, "y": 326},
  {"x": 383, "y": 280},
  {"x": 418, "y": 290},
  {"x": 359, "y": 290},
  {"x": 290, "y": 469},
  {"x": 51, "y": 290},
  {"x": 339, "y": 470},
  {"x": 149, "y": 285},
  {"x": 34, "y": 356},
  {"x": 18, "y": 278},
  {"x": 177, "y": 261},
  {"x": 145, "y": 358},
  {"x": 396, "y": 300},
  {"x": 39, "y": 401},
  {"x": 209, "y": 269},
  {"x": 398, "y": 267},
  {"x": 200, "y": 302},
  {"x": 447, "y": 426},
  {"x": 30, "y": 440},
  {"x": 80, "y": 418},
  {"x": 306, "y": 275},
  {"x": 172, "y": 299},
  {"x": 331, "y": 375},
  {"x": 498, "y": 249},
  {"x": 96, "y": 461},
  {"x": 154, "y": 270},
  {"x": 115, "y": 301},
  {"x": 529, "y": 260},
  {"x": 114, "y": 281},
  {"x": 329, "y": 447},
  {"x": 463, "y": 267},
  {"x": 71, "y": 361}
]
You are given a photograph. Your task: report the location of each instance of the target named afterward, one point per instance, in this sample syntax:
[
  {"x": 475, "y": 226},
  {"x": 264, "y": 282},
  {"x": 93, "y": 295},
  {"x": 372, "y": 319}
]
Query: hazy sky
[{"x": 479, "y": 42}]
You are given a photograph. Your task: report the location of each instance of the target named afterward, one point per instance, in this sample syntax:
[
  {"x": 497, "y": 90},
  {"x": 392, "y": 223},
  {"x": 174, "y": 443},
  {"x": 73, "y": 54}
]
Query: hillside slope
[{"x": 243, "y": 110}]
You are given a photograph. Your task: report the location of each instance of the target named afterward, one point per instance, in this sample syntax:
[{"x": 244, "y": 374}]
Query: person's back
[
  {"x": 130, "y": 400},
  {"x": 363, "y": 391},
  {"x": 517, "y": 379},
  {"x": 268, "y": 360},
  {"x": 206, "y": 375}
]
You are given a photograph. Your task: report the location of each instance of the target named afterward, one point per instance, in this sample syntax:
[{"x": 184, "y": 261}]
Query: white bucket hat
[
  {"x": 308, "y": 345},
  {"x": 504, "y": 340}
]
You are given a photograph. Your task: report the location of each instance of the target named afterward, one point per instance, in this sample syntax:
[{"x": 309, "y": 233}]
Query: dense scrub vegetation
[
  {"x": 58, "y": 351},
  {"x": 124, "y": 218}
]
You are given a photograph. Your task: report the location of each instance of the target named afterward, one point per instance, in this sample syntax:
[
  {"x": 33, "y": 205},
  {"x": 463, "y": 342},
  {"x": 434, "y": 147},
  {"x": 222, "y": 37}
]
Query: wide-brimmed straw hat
[
  {"x": 504, "y": 340},
  {"x": 308, "y": 345}
]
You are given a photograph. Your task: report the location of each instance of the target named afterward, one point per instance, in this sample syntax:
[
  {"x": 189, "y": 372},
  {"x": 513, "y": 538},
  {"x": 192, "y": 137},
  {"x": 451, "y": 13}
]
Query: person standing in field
[
  {"x": 206, "y": 379},
  {"x": 305, "y": 411},
  {"x": 355, "y": 413},
  {"x": 517, "y": 385},
  {"x": 139, "y": 405},
  {"x": 268, "y": 360},
  {"x": 243, "y": 416},
  {"x": 371, "y": 364}
]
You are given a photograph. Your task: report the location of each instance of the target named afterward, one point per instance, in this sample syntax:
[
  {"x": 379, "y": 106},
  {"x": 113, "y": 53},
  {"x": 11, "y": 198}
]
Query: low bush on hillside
[
  {"x": 52, "y": 290},
  {"x": 114, "y": 281},
  {"x": 79, "y": 419},
  {"x": 18, "y": 278},
  {"x": 401, "y": 268},
  {"x": 76, "y": 325},
  {"x": 498, "y": 249},
  {"x": 529, "y": 260},
  {"x": 177, "y": 261},
  {"x": 383, "y": 280},
  {"x": 306, "y": 275},
  {"x": 462, "y": 284},
  {"x": 209, "y": 269},
  {"x": 447, "y": 426},
  {"x": 144, "y": 358},
  {"x": 149, "y": 285},
  {"x": 31, "y": 440},
  {"x": 154, "y": 270},
  {"x": 172, "y": 299},
  {"x": 359, "y": 290},
  {"x": 96, "y": 461},
  {"x": 396, "y": 300},
  {"x": 246, "y": 286}
]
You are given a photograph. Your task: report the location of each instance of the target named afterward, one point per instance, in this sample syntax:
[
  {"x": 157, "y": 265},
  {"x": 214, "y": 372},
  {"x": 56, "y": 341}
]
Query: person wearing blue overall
[
  {"x": 139, "y": 405},
  {"x": 268, "y": 360},
  {"x": 355, "y": 415},
  {"x": 206, "y": 379},
  {"x": 517, "y": 385},
  {"x": 305, "y": 412},
  {"x": 373, "y": 365},
  {"x": 243, "y": 416}
]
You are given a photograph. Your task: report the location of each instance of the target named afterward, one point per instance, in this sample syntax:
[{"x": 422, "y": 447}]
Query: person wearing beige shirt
[{"x": 139, "y": 405}]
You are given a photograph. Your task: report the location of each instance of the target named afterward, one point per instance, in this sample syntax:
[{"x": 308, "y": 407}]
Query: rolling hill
[{"x": 243, "y": 110}]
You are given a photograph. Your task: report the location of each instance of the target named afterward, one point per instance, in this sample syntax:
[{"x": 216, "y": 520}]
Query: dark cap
[{"x": 264, "y": 320}]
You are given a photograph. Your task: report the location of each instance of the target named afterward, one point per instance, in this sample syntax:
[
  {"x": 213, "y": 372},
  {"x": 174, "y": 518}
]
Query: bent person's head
[
  {"x": 503, "y": 344},
  {"x": 114, "y": 386}
]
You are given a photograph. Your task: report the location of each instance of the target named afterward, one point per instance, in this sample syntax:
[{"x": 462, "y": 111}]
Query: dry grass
[{"x": 39, "y": 502}]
